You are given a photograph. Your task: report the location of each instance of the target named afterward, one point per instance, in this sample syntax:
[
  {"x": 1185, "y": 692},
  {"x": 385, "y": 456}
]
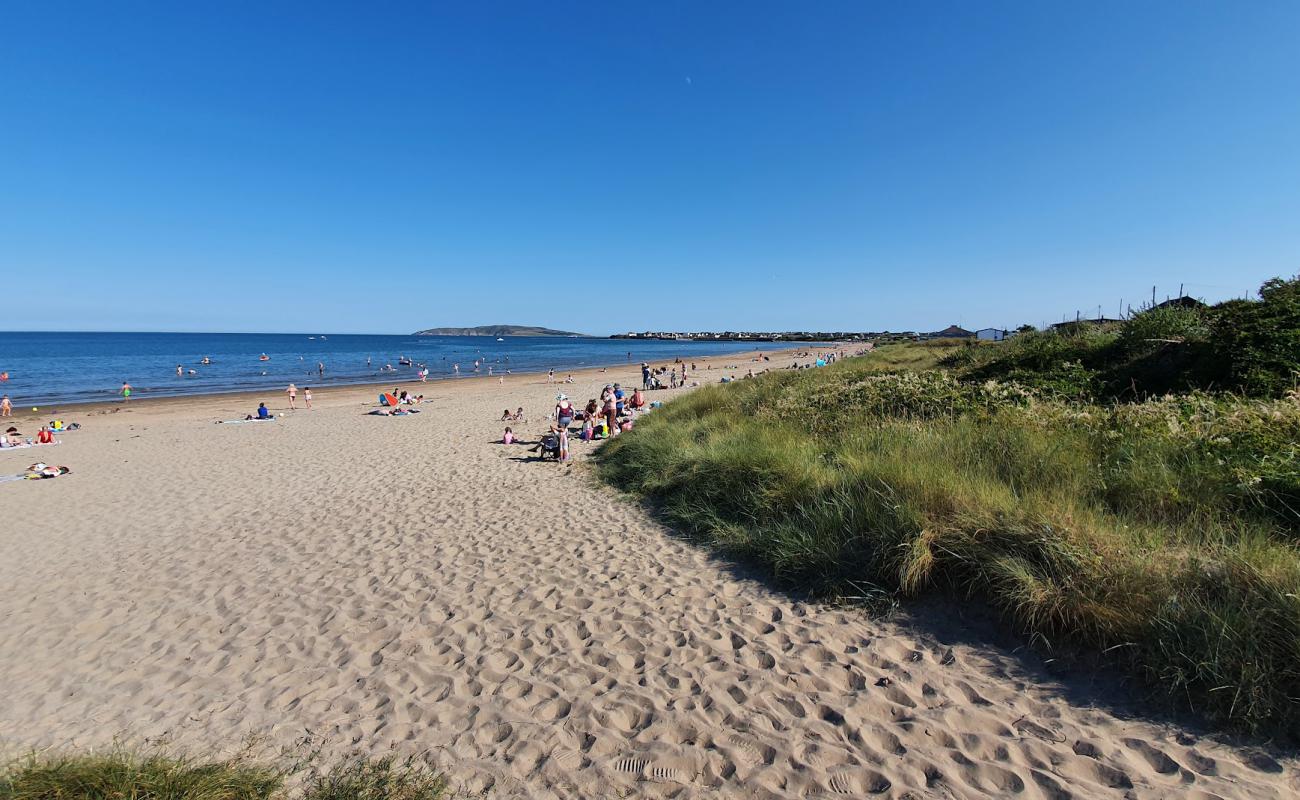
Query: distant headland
[{"x": 498, "y": 330}]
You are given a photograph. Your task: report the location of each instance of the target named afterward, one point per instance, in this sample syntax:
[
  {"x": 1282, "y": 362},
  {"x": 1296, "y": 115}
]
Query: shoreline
[
  {"x": 277, "y": 401},
  {"x": 72, "y": 406}
]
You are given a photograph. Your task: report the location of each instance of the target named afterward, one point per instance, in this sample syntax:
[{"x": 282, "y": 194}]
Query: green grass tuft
[
  {"x": 125, "y": 775},
  {"x": 121, "y": 775}
]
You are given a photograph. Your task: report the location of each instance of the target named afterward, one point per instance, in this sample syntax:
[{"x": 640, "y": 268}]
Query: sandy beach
[{"x": 410, "y": 583}]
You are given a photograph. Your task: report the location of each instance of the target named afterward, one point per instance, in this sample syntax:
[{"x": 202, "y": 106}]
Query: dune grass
[
  {"x": 1158, "y": 536},
  {"x": 127, "y": 775}
]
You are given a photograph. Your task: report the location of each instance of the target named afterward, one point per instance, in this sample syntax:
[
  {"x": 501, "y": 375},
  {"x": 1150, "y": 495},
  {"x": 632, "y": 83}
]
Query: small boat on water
[
  {"x": 404, "y": 361},
  {"x": 264, "y": 357},
  {"x": 311, "y": 337},
  {"x": 499, "y": 339}
]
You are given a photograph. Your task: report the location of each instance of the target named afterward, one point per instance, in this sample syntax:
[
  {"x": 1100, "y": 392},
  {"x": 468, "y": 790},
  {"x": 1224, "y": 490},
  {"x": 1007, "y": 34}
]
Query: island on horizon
[{"x": 498, "y": 330}]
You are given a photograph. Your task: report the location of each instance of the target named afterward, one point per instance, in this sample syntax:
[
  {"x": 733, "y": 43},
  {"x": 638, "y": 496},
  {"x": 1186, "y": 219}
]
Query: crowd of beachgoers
[
  {"x": 617, "y": 407},
  {"x": 614, "y": 411}
]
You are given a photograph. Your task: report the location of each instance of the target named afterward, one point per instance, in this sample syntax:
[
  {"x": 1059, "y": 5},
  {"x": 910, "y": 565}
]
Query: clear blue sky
[{"x": 609, "y": 166}]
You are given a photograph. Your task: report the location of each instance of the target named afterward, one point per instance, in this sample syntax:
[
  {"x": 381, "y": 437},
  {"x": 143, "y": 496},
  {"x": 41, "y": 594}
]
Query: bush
[{"x": 1260, "y": 341}]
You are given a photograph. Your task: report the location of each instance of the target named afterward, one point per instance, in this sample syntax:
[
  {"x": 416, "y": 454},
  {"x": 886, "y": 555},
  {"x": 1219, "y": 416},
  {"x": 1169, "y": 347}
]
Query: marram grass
[
  {"x": 1158, "y": 536},
  {"x": 122, "y": 774}
]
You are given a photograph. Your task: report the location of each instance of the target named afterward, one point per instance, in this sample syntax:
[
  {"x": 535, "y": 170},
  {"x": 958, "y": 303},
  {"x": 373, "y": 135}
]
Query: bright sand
[{"x": 408, "y": 583}]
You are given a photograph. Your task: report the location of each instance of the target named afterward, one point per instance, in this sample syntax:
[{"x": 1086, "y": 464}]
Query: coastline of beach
[
  {"x": 411, "y": 584},
  {"x": 325, "y": 395}
]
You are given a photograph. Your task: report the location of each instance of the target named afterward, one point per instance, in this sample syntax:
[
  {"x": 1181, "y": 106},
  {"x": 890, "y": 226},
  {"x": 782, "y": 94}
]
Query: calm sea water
[{"x": 46, "y": 368}]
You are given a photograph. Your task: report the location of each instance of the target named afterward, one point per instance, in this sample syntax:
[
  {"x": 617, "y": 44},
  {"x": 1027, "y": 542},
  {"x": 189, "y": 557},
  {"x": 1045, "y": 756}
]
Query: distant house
[
  {"x": 952, "y": 332},
  {"x": 1081, "y": 323},
  {"x": 991, "y": 334},
  {"x": 1182, "y": 302}
]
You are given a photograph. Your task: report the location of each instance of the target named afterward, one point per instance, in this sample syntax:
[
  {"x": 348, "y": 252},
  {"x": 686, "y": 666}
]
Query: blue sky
[{"x": 610, "y": 166}]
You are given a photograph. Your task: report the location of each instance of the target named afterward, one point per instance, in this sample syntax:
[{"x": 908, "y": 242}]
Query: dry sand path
[{"x": 406, "y": 583}]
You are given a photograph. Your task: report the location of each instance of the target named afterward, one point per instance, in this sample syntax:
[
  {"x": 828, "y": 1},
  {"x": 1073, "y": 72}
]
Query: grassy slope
[{"x": 1139, "y": 532}]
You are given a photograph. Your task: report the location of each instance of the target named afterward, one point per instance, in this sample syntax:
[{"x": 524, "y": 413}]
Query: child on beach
[
  {"x": 6, "y": 408},
  {"x": 564, "y": 444},
  {"x": 306, "y": 396},
  {"x": 509, "y": 437},
  {"x": 505, "y": 415}
]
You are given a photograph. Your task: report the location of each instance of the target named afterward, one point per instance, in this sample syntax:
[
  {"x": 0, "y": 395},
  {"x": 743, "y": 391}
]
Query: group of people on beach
[
  {"x": 608, "y": 415},
  {"x": 292, "y": 391}
]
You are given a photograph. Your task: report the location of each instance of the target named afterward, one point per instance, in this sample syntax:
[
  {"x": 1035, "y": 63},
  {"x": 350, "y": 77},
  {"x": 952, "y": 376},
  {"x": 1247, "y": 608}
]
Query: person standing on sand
[
  {"x": 306, "y": 396},
  {"x": 550, "y": 376},
  {"x": 125, "y": 391},
  {"x": 293, "y": 395},
  {"x": 6, "y": 407}
]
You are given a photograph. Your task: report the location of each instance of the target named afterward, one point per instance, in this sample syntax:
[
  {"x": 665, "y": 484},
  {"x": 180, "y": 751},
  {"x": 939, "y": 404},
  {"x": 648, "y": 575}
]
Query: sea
[{"x": 42, "y": 368}]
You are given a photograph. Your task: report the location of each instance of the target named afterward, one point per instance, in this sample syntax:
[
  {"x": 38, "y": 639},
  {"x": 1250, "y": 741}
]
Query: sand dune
[{"x": 407, "y": 583}]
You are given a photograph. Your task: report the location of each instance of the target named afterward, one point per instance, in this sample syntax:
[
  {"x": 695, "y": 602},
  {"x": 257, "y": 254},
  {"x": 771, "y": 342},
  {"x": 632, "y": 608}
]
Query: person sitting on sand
[
  {"x": 508, "y": 437},
  {"x": 506, "y": 416},
  {"x": 45, "y": 435},
  {"x": 638, "y": 399},
  {"x": 519, "y": 415},
  {"x": 12, "y": 437},
  {"x": 262, "y": 412}
]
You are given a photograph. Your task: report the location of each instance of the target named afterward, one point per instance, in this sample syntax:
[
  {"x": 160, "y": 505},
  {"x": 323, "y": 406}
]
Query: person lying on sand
[{"x": 40, "y": 470}]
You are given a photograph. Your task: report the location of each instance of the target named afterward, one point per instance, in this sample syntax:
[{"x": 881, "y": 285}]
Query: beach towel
[
  {"x": 26, "y": 445},
  {"x": 242, "y": 421}
]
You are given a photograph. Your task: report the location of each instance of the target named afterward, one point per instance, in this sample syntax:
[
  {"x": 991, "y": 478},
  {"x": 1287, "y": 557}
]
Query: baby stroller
[{"x": 549, "y": 446}]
